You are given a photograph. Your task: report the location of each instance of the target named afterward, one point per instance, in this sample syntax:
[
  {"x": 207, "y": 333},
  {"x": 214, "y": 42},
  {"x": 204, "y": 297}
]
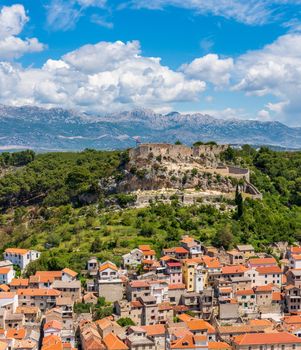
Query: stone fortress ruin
[
  {"x": 204, "y": 156},
  {"x": 159, "y": 170}
]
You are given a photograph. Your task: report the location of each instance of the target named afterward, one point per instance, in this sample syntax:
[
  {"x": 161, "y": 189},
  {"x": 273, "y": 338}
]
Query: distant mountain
[{"x": 59, "y": 129}]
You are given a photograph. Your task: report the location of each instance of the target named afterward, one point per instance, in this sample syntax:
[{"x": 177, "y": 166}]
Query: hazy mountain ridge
[{"x": 60, "y": 129}]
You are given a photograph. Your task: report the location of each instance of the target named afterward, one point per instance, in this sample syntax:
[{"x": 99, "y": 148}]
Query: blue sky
[{"x": 231, "y": 58}]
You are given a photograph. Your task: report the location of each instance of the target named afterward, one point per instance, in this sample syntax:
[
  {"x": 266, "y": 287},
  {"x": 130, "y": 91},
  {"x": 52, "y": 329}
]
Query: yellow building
[{"x": 194, "y": 274}]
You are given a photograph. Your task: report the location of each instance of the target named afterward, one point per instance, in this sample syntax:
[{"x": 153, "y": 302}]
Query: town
[{"x": 186, "y": 297}]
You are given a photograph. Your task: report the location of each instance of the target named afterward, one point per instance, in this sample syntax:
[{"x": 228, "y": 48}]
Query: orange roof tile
[
  {"x": 176, "y": 286},
  {"x": 211, "y": 262},
  {"x": 144, "y": 247},
  {"x": 296, "y": 319},
  {"x": 218, "y": 345},
  {"x": 260, "y": 322},
  {"x": 268, "y": 270},
  {"x": 267, "y": 288},
  {"x": 53, "y": 324},
  {"x": 266, "y": 339},
  {"x": 245, "y": 292},
  {"x": 187, "y": 342},
  {"x": 7, "y": 295},
  {"x": 155, "y": 329},
  {"x": 19, "y": 282},
  {"x": 13, "y": 333},
  {"x": 233, "y": 269},
  {"x": 139, "y": 284},
  {"x": 38, "y": 292},
  {"x": 4, "y": 288},
  {"x": 262, "y": 261},
  {"x": 108, "y": 265},
  {"x": 4, "y": 270},
  {"x": 16, "y": 251},
  {"x": 199, "y": 324},
  {"x": 113, "y": 342},
  {"x": 276, "y": 296},
  {"x": 70, "y": 272},
  {"x": 295, "y": 250}
]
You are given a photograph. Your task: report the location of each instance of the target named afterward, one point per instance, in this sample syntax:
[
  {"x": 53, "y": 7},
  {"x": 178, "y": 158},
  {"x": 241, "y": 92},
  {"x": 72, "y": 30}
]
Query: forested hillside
[{"x": 55, "y": 203}]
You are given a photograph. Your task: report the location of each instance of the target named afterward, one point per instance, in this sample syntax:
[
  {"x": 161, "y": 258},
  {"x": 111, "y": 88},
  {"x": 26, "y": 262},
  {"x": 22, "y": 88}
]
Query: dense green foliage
[
  {"x": 68, "y": 231},
  {"x": 57, "y": 178}
]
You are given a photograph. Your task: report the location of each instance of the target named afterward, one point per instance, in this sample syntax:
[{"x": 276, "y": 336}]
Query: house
[
  {"x": 70, "y": 289},
  {"x": 174, "y": 271},
  {"x": 194, "y": 274},
  {"x": 262, "y": 262},
  {"x": 110, "y": 284},
  {"x": 190, "y": 341},
  {"x": 159, "y": 290},
  {"x": 17, "y": 283},
  {"x": 137, "y": 339},
  {"x": 246, "y": 249},
  {"x": 149, "y": 310},
  {"x": 179, "y": 253},
  {"x": 174, "y": 292},
  {"x": 247, "y": 301},
  {"x": 42, "y": 298},
  {"x": 6, "y": 275},
  {"x": 52, "y": 328},
  {"x": 113, "y": 342},
  {"x": 148, "y": 253},
  {"x": 294, "y": 277},
  {"x": 292, "y": 299},
  {"x": 136, "y": 289},
  {"x": 156, "y": 333},
  {"x": 68, "y": 275},
  {"x": 21, "y": 257},
  {"x": 44, "y": 279},
  {"x": 232, "y": 271},
  {"x": 276, "y": 341},
  {"x": 264, "y": 275},
  {"x": 295, "y": 261},
  {"x": 133, "y": 258},
  {"x": 89, "y": 336},
  {"x": 107, "y": 325},
  {"x": 8, "y": 301},
  {"x": 193, "y": 246}
]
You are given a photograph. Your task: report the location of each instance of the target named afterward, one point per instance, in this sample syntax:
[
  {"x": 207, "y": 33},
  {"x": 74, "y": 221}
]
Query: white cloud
[
  {"x": 210, "y": 68},
  {"x": 12, "y": 21},
  {"x": 99, "y": 78},
  {"x": 249, "y": 12},
  {"x": 64, "y": 14},
  {"x": 274, "y": 70}
]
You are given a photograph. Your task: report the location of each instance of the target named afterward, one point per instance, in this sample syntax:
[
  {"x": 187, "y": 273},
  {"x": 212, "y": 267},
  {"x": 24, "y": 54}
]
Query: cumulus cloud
[
  {"x": 12, "y": 20},
  {"x": 102, "y": 77},
  {"x": 210, "y": 68},
  {"x": 274, "y": 70}
]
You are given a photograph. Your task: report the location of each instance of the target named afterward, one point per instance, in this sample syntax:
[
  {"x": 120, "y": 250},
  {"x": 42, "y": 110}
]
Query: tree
[
  {"x": 239, "y": 203},
  {"x": 125, "y": 322},
  {"x": 178, "y": 142},
  {"x": 224, "y": 237}
]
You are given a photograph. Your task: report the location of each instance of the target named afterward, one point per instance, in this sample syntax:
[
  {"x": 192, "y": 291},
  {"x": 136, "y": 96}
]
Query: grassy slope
[{"x": 70, "y": 235}]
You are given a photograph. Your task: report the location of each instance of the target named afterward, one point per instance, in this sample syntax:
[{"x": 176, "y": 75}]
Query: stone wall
[{"x": 180, "y": 152}]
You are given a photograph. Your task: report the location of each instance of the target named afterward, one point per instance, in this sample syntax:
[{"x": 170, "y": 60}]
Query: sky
[{"x": 227, "y": 58}]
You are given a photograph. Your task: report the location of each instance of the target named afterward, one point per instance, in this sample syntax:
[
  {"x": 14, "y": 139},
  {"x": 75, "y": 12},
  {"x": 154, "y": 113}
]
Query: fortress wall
[
  {"x": 161, "y": 149},
  {"x": 239, "y": 172},
  {"x": 209, "y": 150}
]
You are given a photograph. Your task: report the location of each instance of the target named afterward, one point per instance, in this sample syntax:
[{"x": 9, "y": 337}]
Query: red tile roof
[
  {"x": 266, "y": 339},
  {"x": 268, "y": 270}
]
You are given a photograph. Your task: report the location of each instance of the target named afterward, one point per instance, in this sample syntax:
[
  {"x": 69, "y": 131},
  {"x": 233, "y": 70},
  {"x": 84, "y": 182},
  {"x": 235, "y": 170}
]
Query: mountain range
[{"x": 60, "y": 129}]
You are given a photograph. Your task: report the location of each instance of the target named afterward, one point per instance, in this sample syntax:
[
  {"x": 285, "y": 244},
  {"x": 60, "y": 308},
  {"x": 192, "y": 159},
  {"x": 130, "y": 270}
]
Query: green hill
[{"x": 54, "y": 202}]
